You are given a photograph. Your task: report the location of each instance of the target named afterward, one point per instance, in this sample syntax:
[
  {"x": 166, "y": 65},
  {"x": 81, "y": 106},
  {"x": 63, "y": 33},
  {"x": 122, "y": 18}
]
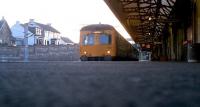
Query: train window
[
  {"x": 104, "y": 39},
  {"x": 88, "y": 39}
]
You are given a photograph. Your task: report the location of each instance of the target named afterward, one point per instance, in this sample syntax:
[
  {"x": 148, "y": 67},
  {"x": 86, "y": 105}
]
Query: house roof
[
  {"x": 47, "y": 27},
  {"x": 1, "y": 23},
  {"x": 67, "y": 40},
  {"x": 43, "y": 26}
]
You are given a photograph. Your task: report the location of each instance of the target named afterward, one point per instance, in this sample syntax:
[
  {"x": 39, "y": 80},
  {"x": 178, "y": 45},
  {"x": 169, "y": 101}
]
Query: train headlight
[
  {"x": 85, "y": 52},
  {"x": 108, "y": 52}
]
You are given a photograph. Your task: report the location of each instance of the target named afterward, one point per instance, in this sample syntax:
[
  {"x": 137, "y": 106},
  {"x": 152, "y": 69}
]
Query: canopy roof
[{"x": 143, "y": 19}]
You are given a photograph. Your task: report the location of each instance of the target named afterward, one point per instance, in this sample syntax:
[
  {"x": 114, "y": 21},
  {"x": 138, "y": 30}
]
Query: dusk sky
[{"x": 67, "y": 16}]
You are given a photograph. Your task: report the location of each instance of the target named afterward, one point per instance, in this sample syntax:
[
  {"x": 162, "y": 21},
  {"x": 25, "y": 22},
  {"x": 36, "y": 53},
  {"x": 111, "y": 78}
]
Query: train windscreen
[
  {"x": 88, "y": 39},
  {"x": 105, "y": 39}
]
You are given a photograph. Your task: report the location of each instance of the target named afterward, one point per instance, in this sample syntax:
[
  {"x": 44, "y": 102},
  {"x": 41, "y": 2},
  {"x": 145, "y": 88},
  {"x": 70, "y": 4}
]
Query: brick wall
[{"x": 41, "y": 53}]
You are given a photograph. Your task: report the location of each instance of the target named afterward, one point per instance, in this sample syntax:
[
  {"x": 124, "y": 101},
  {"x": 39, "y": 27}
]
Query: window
[
  {"x": 38, "y": 31},
  {"x": 88, "y": 39},
  {"x": 105, "y": 39}
]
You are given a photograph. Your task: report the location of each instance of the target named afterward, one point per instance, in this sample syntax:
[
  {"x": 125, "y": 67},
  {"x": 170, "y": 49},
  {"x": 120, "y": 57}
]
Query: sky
[{"x": 67, "y": 16}]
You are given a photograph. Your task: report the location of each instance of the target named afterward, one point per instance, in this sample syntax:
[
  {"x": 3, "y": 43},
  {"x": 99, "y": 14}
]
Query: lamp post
[
  {"x": 27, "y": 34},
  {"x": 26, "y": 50}
]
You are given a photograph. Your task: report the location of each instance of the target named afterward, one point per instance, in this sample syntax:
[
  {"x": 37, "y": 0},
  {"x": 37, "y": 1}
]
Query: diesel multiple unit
[{"x": 103, "y": 42}]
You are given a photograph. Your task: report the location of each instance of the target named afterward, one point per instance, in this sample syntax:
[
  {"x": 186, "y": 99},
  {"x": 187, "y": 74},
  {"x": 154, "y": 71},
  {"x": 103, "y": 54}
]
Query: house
[
  {"x": 66, "y": 41},
  {"x": 35, "y": 33},
  {"x": 18, "y": 33},
  {"x": 6, "y": 38}
]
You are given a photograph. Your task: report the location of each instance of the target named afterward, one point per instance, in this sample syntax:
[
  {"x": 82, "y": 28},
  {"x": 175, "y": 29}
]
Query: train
[{"x": 103, "y": 42}]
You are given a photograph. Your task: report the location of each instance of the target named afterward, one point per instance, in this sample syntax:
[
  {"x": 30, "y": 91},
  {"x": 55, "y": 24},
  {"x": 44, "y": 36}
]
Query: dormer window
[{"x": 38, "y": 31}]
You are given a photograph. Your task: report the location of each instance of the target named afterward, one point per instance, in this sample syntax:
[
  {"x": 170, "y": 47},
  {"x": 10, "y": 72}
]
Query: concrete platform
[{"x": 99, "y": 84}]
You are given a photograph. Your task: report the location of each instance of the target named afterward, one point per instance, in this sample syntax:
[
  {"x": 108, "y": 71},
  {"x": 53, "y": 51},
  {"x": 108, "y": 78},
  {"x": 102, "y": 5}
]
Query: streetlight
[{"x": 26, "y": 50}]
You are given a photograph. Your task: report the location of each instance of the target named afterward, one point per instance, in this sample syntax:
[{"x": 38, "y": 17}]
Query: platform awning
[{"x": 143, "y": 19}]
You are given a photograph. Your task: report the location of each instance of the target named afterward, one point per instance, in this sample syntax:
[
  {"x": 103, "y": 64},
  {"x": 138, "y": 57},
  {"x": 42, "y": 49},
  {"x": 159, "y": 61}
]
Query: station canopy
[{"x": 143, "y": 19}]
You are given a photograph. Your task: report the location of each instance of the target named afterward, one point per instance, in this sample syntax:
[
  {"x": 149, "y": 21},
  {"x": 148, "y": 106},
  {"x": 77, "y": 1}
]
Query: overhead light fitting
[{"x": 150, "y": 18}]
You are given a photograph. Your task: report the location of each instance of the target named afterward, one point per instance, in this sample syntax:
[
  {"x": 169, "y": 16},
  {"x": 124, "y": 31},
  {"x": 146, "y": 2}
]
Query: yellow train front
[{"x": 103, "y": 42}]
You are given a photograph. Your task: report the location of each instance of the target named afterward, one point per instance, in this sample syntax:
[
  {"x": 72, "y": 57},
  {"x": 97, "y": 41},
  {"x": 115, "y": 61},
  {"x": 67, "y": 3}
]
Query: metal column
[
  {"x": 198, "y": 21},
  {"x": 171, "y": 43}
]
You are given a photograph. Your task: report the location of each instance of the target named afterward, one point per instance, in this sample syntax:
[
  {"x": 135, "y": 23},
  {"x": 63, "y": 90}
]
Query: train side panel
[{"x": 125, "y": 50}]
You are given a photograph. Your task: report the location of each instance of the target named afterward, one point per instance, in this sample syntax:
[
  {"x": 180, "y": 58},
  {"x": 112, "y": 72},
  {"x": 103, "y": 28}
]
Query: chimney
[
  {"x": 31, "y": 20},
  {"x": 49, "y": 24},
  {"x": 3, "y": 18},
  {"x": 17, "y": 22}
]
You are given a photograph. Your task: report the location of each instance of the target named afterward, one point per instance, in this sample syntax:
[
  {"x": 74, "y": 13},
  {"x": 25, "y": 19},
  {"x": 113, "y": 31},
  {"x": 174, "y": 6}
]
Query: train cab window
[
  {"x": 88, "y": 39},
  {"x": 105, "y": 39}
]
